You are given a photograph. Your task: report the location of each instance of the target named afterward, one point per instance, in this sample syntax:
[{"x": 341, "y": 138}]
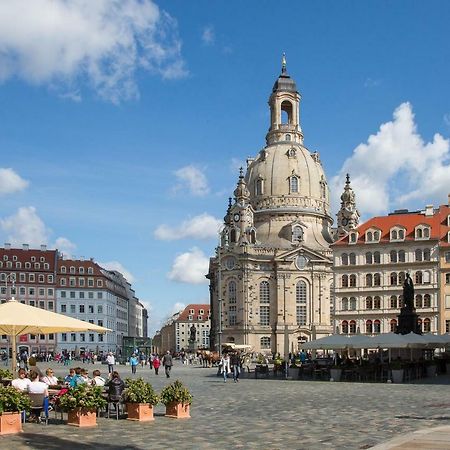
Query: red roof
[{"x": 184, "y": 316}]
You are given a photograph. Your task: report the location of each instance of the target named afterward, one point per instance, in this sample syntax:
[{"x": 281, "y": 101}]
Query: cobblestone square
[{"x": 254, "y": 414}]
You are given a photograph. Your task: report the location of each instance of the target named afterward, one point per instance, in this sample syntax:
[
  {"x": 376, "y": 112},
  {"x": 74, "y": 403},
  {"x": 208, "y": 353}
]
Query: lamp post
[
  {"x": 12, "y": 278},
  {"x": 219, "y": 284}
]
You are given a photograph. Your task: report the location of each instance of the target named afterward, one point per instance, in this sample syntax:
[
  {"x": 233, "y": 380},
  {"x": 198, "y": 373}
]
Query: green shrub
[
  {"x": 83, "y": 396},
  {"x": 176, "y": 392},
  {"x": 139, "y": 391},
  {"x": 5, "y": 374},
  {"x": 12, "y": 400}
]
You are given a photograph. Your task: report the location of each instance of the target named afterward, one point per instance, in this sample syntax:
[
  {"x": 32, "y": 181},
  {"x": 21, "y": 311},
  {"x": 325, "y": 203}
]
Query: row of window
[
  {"x": 31, "y": 291},
  {"x": 374, "y": 326},
  {"x": 82, "y": 337},
  {"x": 420, "y": 277},
  {"x": 395, "y": 256},
  {"x": 72, "y": 309},
  {"x": 81, "y": 282},
  {"x": 27, "y": 265},
  {"x": 32, "y": 277},
  {"x": 394, "y": 302},
  {"x": 81, "y": 294},
  {"x": 32, "y": 259},
  {"x": 72, "y": 269},
  {"x": 34, "y": 337},
  {"x": 373, "y": 235}
]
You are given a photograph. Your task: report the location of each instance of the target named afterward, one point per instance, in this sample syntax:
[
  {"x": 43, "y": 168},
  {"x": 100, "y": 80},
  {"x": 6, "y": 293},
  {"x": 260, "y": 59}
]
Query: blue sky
[{"x": 123, "y": 123}]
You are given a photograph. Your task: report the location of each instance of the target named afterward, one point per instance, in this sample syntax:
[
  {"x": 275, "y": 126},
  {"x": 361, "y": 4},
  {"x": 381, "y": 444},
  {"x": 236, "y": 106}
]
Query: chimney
[
  {"x": 429, "y": 210},
  {"x": 43, "y": 248},
  {"x": 448, "y": 199},
  {"x": 7, "y": 246},
  {"x": 25, "y": 246}
]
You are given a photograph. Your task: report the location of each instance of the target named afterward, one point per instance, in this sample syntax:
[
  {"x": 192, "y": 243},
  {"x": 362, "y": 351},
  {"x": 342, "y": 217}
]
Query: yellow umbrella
[{"x": 17, "y": 318}]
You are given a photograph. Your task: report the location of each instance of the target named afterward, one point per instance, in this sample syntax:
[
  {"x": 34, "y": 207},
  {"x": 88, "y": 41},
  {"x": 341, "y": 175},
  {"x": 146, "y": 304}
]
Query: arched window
[
  {"x": 419, "y": 324},
  {"x": 393, "y": 278},
  {"x": 377, "y": 302},
  {"x": 426, "y": 325},
  {"x": 344, "y": 259},
  {"x": 352, "y": 303},
  {"x": 344, "y": 326},
  {"x": 393, "y": 301},
  {"x": 252, "y": 236},
  {"x": 294, "y": 184},
  {"x": 393, "y": 326},
  {"x": 376, "y": 258},
  {"x": 63, "y": 269},
  {"x": 376, "y": 326},
  {"x": 376, "y": 235},
  {"x": 352, "y": 327},
  {"x": 297, "y": 233},
  {"x": 323, "y": 189},
  {"x": 401, "y": 256},
  {"x": 393, "y": 255},
  {"x": 344, "y": 281},
  {"x": 369, "y": 236},
  {"x": 426, "y": 232},
  {"x": 369, "y": 303},
  {"x": 400, "y": 301},
  {"x": 369, "y": 280},
  {"x": 352, "y": 259},
  {"x": 264, "y": 300},
  {"x": 401, "y": 277},
  {"x": 419, "y": 277},
  {"x": 259, "y": 186},
  {"x": 368, "y": 326},
  {"x": 265, "y": 342},
  {"x": 419, "y": 233},
  {"x": 233, "y": 236},
  {"x": 426, "y": 277},
  {"x": 419, "y": 301},
  {"x": 377, "y": 279},
  {"x": 401, "y": 234},
  {"x": 72, "y": 269},
  {"x": 447, "y": 278},
  {"x": 264, "y": 292},
  {"x": 300, "y": 299},
  {"x": 288, "y": 137},
  {"x": 427, "y": 301},
  {"x": 345, "y": 304},
  {"x": 427, "y": 254},
  {"x": 232, "y": 292},
  {"x": 394, "y": 234},
  {"x": 352, "y": 280},
  {"x": 418, "y": 254},
  {"x": 369, "y": 259}
]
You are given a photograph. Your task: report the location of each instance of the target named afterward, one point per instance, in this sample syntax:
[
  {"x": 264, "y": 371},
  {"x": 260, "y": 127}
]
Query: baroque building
[{"x": 271, "y": 278}]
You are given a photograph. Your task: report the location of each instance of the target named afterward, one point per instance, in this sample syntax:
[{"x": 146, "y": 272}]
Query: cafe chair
[{"x": 39, "y": 405}]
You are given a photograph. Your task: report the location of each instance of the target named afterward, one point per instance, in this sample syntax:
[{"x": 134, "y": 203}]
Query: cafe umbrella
[{"x": 17, "y": 319}]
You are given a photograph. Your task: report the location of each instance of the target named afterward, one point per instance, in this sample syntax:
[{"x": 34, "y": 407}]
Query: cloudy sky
[{"x": 123, "y": 122}]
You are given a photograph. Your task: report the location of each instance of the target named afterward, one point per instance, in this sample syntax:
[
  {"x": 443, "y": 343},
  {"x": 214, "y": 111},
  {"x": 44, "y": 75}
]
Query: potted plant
[
  {"x": 81, "y": 403},
  {"x": 5, "y": 377},
  {"x": 177, "y": 399},
  {"x": 12, "y": 404},
  {"x": 140, "y": 399},
  {"x": 397, "y": 370}
]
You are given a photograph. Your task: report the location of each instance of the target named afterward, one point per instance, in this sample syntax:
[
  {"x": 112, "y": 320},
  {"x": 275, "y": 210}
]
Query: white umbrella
[
  {"x": 437, "y": 340},
  {"x": 388, "y": 340},
  {"x": 332, "y": 342},
  {"x": 415, "y": 340}
]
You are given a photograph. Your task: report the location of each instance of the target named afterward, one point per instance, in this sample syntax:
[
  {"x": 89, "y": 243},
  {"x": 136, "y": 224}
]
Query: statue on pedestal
[
  {"x": 408, "y": 320},
  {"x": 193, "y": 334}
]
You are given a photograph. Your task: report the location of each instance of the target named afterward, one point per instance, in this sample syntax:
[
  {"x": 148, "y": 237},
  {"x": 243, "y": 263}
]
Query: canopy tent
[
  {"x": 17, "y": 318},
  {"x": 332, "y": 342}
]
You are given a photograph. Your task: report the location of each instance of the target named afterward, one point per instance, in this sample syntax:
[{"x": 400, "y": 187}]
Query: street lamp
[
  {"x": 219, "y": 285},
  {"x": 11, "y": 277}
]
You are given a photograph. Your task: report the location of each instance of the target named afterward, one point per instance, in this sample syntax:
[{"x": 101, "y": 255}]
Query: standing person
[
  {"x": 225, "y": 366},
  {"x": 133, "y": 362},
  {"x": 236, "y": 364},
  {"x": 143, "y": 359},
  {"x": 156, "y": 364},
  {"x": 110, "y": 360},
  {"x": 167, "y": 362}
]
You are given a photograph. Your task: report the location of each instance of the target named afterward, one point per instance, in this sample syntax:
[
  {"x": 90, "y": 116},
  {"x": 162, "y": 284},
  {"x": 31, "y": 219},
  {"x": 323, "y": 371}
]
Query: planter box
[
  {"x": 397, "y": 375},
  {"x": 335, "y": 374},
  {"x": 10, "y": 423},
  {"x": 293, "y": 373},
  {"x": 431, "y": 370},
  {"x": 142, "y": 412},
  {"x": 447, "y": 368},
  {"x": 177, "y": 411},
  {"x": 81, "y": 417}
]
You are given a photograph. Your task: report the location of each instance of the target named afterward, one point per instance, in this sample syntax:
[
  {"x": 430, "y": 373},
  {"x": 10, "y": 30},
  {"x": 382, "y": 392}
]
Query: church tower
[
  {"x": 271, "y": 278},
  {"x": 348, "y": 215}
]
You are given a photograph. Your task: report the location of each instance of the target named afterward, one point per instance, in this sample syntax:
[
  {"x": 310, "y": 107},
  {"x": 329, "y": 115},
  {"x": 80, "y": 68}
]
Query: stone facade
[{"x": 271, "y": 278}]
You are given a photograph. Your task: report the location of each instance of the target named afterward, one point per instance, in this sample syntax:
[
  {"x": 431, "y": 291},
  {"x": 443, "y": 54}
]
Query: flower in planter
[
  {"x": 139, "y": 391},
  {"x": 5, "y": 374},
  {"x": 12, "y": 400},
  {"x": 176, "y": 392},
  {"x": 82, "y": 396}
]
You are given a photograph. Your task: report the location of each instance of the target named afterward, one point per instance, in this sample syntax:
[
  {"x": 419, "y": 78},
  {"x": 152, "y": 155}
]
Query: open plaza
[{"x": 270, "y": 413}]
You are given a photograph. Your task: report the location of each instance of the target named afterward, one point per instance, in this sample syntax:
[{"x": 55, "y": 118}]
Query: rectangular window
[
  {"x": 32, "y": 303},
  {"x": 301, "y": 314},
  {"x": 82, "y": 337},
  {"x": 22, "y": 277},
  {"x": 41, "y": 304},
  {"x": 73, "y": 337},
  {"x": 49, "y": 278},
  {"x": 62, "y": 281},
  {"x": 447, "y": 326},
  {"x": 81, "y": 294},
  {"x": 91, "y": 337},
  {"x": 50, "y": 306},
  {"x": 72, "y": 309},
  {"x": 51, "y": 337},
  {"x": 72, "y": 282},
  {"x": 64, "y": 337},
  {"x": 81, "y": 309},
  {"x": 63, "y": 294},
  {"x": 447, "y": 302},
  {"x": 90, "y": 295},
  {"x": 50, "y": 292},
  {"x": 31, "y": 291},
  {"x": 100, "y": 323},
  {"x": 81, "y": 282},
  {"x": 90, "y": 282},
  {"x": 264, "y": 315},
  {"x": 72, "y": 294},
  {"x": 99, "y": 283},
  {"x": 31, "y": 277},
  {"x": 41, "y": 292},
  {"x": 99, "y": 295},
  {"x": 42, "y": 337},
  {"x": 100, "y": 309},
  {"x": 91, "y": 309},
  {"x": 232, "y": 315},
  {"x": 447, "y": 257},
  {"x": 22, "y": 291},
  {"x": 100, "y": 338},
  {"x": 63, "y": 309}
]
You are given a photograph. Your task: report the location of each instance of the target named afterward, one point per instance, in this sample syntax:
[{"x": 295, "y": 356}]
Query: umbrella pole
[{"x": 14, "y": 355}]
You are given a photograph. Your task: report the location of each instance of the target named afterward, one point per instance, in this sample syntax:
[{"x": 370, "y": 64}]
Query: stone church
[{"x": 271, "y": 278}]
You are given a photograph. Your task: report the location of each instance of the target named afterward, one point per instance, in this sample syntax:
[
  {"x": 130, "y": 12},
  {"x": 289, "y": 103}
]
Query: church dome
[{"x": 284, "y": 83}]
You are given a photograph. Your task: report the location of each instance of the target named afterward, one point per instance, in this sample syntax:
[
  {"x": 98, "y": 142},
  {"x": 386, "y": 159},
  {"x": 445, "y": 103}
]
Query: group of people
[{"x": 230, "y": 364}]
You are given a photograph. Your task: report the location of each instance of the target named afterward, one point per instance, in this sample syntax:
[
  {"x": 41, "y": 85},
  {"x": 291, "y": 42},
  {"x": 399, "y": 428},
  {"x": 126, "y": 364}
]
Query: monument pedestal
[
  {"x": 408, "y": 321},
  {"x": 192, "y": 347}
]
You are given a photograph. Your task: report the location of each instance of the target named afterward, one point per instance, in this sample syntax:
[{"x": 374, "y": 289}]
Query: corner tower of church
[{"x": 270, "y": 282}]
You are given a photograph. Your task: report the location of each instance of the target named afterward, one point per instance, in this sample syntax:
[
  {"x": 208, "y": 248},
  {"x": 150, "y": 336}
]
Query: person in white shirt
[
  {"x": 97, "y": 380},
  {"x": 49, "y": 379},
  {"x": 21, "y": 383},
  {"x": 36, "y": 386},
  {"x": 110, "y": 361}
]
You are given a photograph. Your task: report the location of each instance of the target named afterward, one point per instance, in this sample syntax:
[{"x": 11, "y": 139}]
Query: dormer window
[
  {"x": 353, "y": 238},
  {"x": 294, "y": 183},
  {"x": 422, "y": 232},
  {"x": 397, "y": 234},
  {"x": 297, "y": 233},
  {"x": 373, "y": 235},
  {"x": 292, "y": 153},
  {"x": 63, "y": 269}
]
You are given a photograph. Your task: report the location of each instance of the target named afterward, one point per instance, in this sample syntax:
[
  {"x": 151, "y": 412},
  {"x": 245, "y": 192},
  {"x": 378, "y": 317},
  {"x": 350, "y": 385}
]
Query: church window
[
  {"x": 369, "y": 280},
  {"x": 264, "y": 315},
  {"x": 288, "y": 137},
  {"x": 300, "y": 297},
  {"x": 344, "y": 259},
  {"x": 344, "y": 326},
  {"x": 427, "y": 301},
  {"x": 393, "y": 256},
  {"x": 232, "y": 291},
  {"x": 259, "y": 186},
  {"x": 293, "y": 184},
  {"x": 352, "y": 303},
  {"x": 401, "y": 256},
  {"x": 264, "y": 292},
  {"x": 345, "y": 304},
  {"x": 297, "y": 233},
  {"x": 233, "y": 233},
  {"x": 265, "y": 342},
  {"x": 393, "y": 278},
  {"x": 252, "y": 236},
  {"x": 418, "y": 301},
  {"x": 393, "y": 301},
  {"x": 232, "y": 315},
  {"x": 352, "y": 259},
  {"x": 368, "y": 326}
]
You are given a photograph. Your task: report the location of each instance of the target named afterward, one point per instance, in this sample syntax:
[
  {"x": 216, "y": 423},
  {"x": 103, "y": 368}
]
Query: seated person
[
  {"x": 115, "y": 387},
  {"x": 97, "y": 380},
  {"x": 36, "y": 387},
  {"x": 49, "y": 379},
  {"x": 78, "y": 378},
  {"x": 85, "y": 376},
  {"x": 70, "y": 377},
  {"x": 21, "y": 383}
]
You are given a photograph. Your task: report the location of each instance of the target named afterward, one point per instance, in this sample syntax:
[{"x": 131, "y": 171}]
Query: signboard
[{"x": 23, "y": 338}]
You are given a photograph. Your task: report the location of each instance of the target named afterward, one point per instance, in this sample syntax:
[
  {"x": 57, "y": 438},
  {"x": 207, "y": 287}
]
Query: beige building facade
[{"x": 271, "y": 277}]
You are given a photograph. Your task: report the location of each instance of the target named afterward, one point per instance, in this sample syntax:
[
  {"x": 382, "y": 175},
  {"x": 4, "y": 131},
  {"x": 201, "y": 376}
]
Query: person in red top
[{"x": 156, "y": 364}]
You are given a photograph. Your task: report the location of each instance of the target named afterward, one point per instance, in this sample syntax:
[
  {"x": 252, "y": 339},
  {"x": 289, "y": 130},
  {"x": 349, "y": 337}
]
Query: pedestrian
[
  {"x": 225, "y": 366},
  {"x": 236, "y": 364},
  {"x": 167, "y": 363},
  {"x": 133, "y": 362},
  {"x": 110, "y": 360},
  {"x": 156, "y": 364},
  {"x": 143, "y": 359}
]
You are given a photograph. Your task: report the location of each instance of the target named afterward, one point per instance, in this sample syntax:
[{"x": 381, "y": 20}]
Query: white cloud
[
  {"x": 65, "y": 246},
  {"x": 192, "y": 178},
  {"x": 11, "y": 182},
  {"x": 190, "y": 267},
  {"x": 117, "y": 266},
  {"x": 103, "y": 43},
  {"x": 396, "y": 166},
  {"x": 203, "y": 226},
  {"x": 177, "y": 307},
  {"x": 25, "y": 227},
  {"x": 208, "y": 35}
]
